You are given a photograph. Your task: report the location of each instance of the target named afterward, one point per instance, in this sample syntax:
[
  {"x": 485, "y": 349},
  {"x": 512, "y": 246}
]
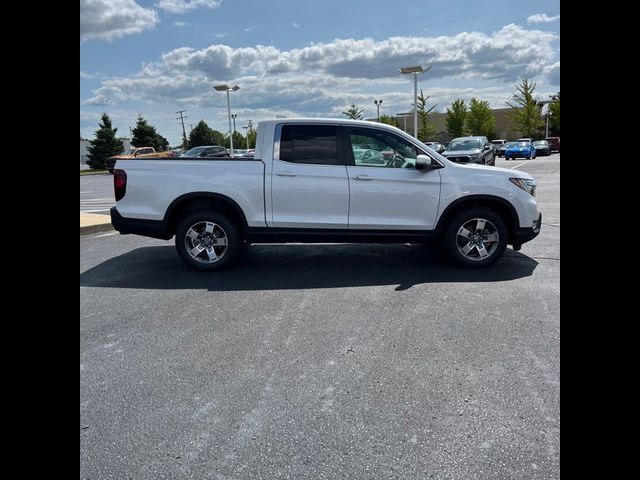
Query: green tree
[
  {"x": 480, "y": 120},
  {"x": 554, "y": 114},
  {"x": 456, "y": 118},
  {"x": 105, "y": 144},
  {"x": 202, "y": 134},
  {"x": 252, "y": 138},
  {"x": 388, "y": 119},
  {"x": 145, "y": 135},
  {"x": 426, "y": 131},
  {"x": 353, "y": 112},
  {"x": 525, "y": 111}
]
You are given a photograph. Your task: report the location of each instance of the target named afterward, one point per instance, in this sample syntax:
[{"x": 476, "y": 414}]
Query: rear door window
[{"x": 313, "y": 144}]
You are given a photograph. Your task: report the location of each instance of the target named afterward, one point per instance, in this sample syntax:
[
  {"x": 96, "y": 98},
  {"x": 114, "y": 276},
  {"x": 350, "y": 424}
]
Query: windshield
[
  {"x": 497, "y": 142},
  {"x": 193, "y": 152},
  {"x": 518, "y": 144},
  {"x": 468, "y": 144},
  {"x": 128, "y": 151},
  {"x": 541, "y": 143}
]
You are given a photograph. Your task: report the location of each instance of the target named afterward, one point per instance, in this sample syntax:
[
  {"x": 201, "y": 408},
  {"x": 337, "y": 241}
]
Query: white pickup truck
[{"x": 326, "y": 180}]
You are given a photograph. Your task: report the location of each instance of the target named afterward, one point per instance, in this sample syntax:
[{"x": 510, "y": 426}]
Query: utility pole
[
  {"x": 130, "y": 134},
  {"x": 234, "y": 116},
  {"x": 184, "y": 134},
  {"x": 250, "y": 125}
]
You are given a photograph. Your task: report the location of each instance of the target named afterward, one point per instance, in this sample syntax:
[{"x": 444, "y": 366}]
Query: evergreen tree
[
  {"x": 353, "y": 112},
  {"x": 480, "y": 120},
  {"x": 202, "y": 134},
  {"x": 456, "y": 118},
  {"x": 425, "y": 130},
  {"x": 105, "y": 144},
  {"x": 145, "y": 135},
  {"x": 525, "y": 111}
]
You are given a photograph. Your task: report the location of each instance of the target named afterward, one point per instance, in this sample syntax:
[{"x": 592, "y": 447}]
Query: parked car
[
  {"x": 438, "y": 147},
  {"x": 554, "y": 143},
  {"x": 520, "y": 149},
  {"x": 132, "y": 152},
  {"x": 250, "y": 153},
  {"x": 500, "y": 146},
  {"x": 239, "y": 152},
  {"x": 471, "y": 150},
  {"x": 542, "y": 148},
  {"x": 206, "y": 151},
  {"x": 525, "y": 140},
  {"x": 308, "y": 186}
]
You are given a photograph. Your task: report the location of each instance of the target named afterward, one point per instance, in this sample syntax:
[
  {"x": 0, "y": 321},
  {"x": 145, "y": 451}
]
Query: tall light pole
[
  {"x": 415, "y": 70},
  {"x": 227, "y": 88},
  {"x": 377, "y": 104},
  {"x": 547, "y": 103},
  {"x": 234, "y": 116}
]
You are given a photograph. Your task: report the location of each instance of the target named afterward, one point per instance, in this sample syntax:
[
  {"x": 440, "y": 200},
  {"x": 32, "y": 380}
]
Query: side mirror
[
  {"x": 423, "y": 162},
  {"x": 487, "y": 147}
]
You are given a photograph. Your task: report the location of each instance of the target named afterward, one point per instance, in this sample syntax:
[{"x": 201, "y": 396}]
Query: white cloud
[
  {"x": 109, "y": 19},
  {"x": 296, "y": 25},
  {"x": 180, "y": 24},
  {"x": 542, "y": 18},
  {"x": 219, "y": 35},
  {"x": 321, "y": 79},
  {"x": 85, "y": 75},
  {"x": 552, "y": 73},
  {"x": 183, "y": 6}
]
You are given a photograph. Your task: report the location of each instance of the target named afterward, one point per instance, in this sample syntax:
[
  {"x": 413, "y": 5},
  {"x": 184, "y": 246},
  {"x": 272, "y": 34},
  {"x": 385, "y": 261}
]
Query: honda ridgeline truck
[{"x": 326, "y": 180}]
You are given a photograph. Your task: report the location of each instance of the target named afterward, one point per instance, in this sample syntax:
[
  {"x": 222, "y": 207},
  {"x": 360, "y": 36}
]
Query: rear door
[{"x": 309, "y": 186}]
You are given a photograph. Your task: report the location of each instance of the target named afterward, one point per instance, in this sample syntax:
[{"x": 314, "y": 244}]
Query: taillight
[{"x": 119, "y": 183}]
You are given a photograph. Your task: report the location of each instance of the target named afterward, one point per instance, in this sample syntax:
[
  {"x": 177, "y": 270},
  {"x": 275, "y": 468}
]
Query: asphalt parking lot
[{"x": 322, "y": 361}]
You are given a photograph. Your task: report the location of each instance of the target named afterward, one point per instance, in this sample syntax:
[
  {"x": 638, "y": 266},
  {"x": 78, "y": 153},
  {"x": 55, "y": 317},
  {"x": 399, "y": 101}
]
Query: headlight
[
  {"x": 525, "y": 184},
  {"x": 476, "y": 156}
]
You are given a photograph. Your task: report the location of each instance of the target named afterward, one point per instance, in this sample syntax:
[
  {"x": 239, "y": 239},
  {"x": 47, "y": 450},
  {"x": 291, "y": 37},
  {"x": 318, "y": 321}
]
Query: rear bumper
[
  {"x": 523, "y": 235},
  {"x": 146, "y": 228}
]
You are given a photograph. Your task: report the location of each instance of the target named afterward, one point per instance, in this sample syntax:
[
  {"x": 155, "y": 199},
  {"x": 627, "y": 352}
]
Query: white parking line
[{"x": 517, "y": 165}]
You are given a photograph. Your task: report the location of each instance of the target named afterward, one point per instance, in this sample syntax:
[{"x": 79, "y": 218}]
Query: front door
[{"x": 387, "y": 192}]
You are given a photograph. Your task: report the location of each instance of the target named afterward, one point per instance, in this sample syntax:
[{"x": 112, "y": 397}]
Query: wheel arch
[
  {"x": 499, "y": 205},
  {"x": 191, "y": 202}
]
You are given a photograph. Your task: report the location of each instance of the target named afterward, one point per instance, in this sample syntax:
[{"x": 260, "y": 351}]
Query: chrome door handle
[
  {"x": 362, "y": 177},
  {"x": 286, "y": 174}
]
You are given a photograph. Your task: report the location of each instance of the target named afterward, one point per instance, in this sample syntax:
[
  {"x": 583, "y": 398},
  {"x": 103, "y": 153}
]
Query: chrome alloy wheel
[
  {"x": 477, "y": 239},
  {"x": 206, "y": 242}
]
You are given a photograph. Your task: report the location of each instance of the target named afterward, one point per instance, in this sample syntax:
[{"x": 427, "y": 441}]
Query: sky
[{"x": 304, "y": 58}]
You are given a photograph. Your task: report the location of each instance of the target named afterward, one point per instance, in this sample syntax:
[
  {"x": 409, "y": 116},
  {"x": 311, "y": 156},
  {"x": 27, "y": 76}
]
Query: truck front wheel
[
  {"x": 207, "y": 240},
  {"x": 475, "y": 238}
]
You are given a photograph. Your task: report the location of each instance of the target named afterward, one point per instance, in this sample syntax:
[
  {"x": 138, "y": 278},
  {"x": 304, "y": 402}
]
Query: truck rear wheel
[
  {"x": 207, "y": 240},
  {"x": 475, "y": 238}
]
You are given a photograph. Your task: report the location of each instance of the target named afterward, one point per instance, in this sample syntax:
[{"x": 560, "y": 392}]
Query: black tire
[
  {"x": 222, "y": 228},
  {"x": 454, "y": 244}
]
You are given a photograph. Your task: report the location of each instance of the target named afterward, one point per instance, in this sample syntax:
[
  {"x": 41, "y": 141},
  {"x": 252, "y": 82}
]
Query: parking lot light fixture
[
  {"x": 415, "y": 70},
  {"x": 227, "y": 88},
  {"x": 377, "y": 103}
]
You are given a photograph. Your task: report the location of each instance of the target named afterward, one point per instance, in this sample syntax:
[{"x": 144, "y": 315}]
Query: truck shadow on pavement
[{"x": 295, "y": 267}]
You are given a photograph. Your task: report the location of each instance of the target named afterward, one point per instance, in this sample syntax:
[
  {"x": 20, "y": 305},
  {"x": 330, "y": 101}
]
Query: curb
[{"x": 101, "y": 227}]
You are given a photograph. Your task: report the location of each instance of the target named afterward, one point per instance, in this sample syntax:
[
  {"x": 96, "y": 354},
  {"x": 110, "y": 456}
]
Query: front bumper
[{"x": 525, "y": 234}]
